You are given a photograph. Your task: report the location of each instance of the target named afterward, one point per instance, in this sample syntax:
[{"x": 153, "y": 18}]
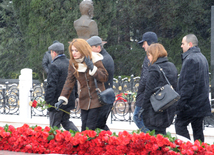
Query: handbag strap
[
  {"x": 97, "y": 89},
  {"x": 164, "y": 74}
]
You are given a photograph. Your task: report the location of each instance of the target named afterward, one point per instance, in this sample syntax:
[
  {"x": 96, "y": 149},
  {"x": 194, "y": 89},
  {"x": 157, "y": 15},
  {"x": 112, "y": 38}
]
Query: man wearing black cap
[
  {"x": 147, "y": 39},
  {"x": 57, "y": 75},
  {"x": 96, "y": 44}
]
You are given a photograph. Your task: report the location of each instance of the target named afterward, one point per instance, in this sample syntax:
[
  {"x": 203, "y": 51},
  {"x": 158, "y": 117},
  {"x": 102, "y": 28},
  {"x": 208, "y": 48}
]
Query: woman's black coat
[{"x": 159, "y": 120}]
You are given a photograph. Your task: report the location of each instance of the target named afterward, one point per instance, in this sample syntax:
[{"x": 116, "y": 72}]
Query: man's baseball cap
[{"x": 150, "y": 37}]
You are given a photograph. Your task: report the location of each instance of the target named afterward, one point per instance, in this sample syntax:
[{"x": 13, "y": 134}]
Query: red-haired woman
[{"x": 84, "y": 66}]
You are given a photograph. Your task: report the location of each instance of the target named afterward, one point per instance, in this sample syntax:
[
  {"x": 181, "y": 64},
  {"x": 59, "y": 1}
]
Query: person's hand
[
  {"x": 58, "y": 104},
  {"x": 89, "y": 63}
]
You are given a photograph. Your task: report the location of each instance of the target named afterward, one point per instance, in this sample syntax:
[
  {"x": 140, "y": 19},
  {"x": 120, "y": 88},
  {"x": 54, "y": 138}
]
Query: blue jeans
[{"x": 139, "y": 122}]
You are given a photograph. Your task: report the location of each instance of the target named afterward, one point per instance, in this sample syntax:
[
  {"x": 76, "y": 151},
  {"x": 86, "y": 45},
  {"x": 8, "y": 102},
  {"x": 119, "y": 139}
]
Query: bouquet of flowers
[
  {"x": 124, "y": 96},
  {"x": 40, "y": 103}
]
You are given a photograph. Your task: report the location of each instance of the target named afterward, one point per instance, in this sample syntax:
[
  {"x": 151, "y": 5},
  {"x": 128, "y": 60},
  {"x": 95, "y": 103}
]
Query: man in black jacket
[
  {"x": 96, "y": 44},
  {"x": 147, "y": 39},
  {"x": 58, "y": 70},
  {"x": 193, "y": 87},
  {"x": 46, "y": 61}
]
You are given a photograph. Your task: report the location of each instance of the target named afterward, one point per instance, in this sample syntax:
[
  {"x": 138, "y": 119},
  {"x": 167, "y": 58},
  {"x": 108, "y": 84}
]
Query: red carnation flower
[{"x": 34, "y": 104}]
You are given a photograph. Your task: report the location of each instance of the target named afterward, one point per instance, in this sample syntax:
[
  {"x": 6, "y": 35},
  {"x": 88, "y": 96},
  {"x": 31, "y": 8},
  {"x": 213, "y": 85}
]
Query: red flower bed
[{"x": 49, "y": 140}]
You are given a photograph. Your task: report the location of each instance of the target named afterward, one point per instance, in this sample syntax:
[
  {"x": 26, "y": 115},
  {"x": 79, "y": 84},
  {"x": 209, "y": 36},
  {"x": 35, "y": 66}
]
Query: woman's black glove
[
  {"x": 89, "y": 63},
  {"x": 58, "y": 104}
]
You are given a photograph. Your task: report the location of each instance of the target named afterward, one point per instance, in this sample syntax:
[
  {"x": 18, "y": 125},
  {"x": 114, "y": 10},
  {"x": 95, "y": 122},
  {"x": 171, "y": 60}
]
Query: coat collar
[
  {"x": 161, "y": 60},
  {"x": 82, "y": 67},
  {"x": 61, "y": 55},
  {"x": 194, "y": 49},
  {"x": 103, "y": 51}
]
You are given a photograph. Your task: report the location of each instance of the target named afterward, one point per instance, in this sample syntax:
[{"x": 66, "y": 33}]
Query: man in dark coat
[
  {"x": 193, "y": 87},
  {"x": 96, "y": 44},
  {"x": 58, "y": 70},
  {"x": 147, "y": 39},
  {"x": 47, "y": 59}
]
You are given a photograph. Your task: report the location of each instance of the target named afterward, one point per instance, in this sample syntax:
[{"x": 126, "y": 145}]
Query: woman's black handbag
[
  {"x": 164, "y": 96},
  {"x": 105, "y": 97}
]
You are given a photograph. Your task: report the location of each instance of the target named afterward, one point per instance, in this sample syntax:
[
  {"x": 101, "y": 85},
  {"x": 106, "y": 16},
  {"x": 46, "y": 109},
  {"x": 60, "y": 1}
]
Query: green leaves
[
  {"x": 152, "y": 133},
  {"x": 50, "y": 137},
  {"x": 6, "y": 127},
  {"x": 72, "y": 132},
  {"x": 169, "y": 136}
]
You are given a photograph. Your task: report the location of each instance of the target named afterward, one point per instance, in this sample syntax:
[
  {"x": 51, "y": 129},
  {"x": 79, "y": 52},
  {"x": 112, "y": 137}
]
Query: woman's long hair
[
  {"x": 156, "y": 50},
  {"x": 83, "y": 47}
]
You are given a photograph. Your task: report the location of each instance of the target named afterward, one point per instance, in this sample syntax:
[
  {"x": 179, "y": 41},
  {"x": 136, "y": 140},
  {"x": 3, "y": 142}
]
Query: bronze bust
[{"x": 85, "y": 26}]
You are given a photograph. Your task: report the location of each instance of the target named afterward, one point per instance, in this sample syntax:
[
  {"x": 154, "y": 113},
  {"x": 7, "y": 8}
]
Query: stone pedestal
[{"x": 25, "y": 84}]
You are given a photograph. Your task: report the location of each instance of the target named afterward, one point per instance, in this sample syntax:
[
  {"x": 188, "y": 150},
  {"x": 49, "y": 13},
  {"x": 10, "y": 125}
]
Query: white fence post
[{"x": 25, "y": 84}]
